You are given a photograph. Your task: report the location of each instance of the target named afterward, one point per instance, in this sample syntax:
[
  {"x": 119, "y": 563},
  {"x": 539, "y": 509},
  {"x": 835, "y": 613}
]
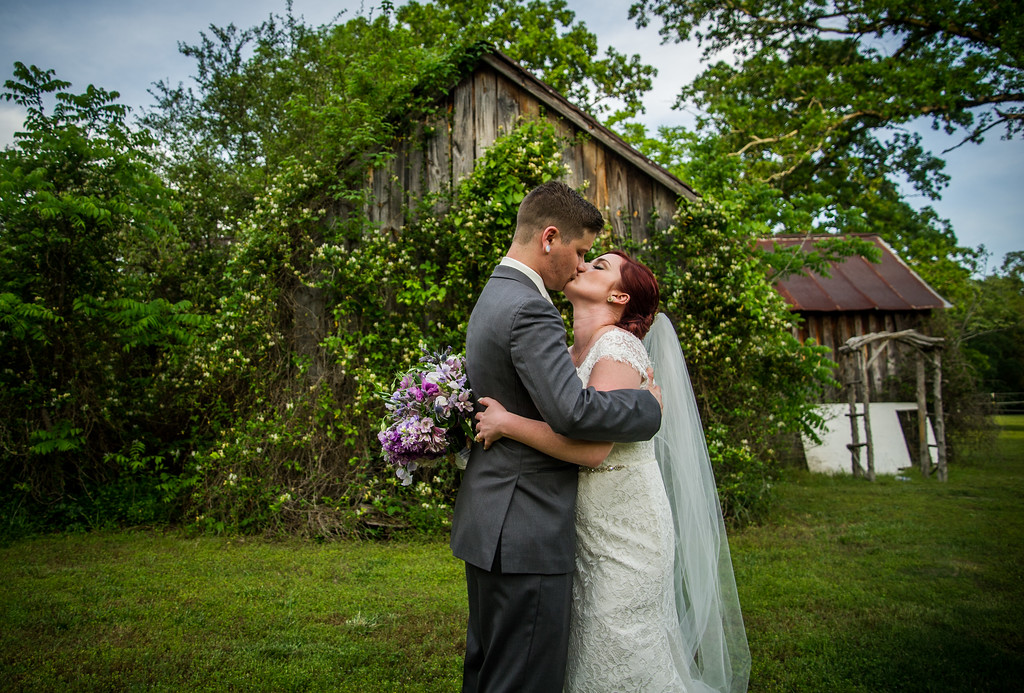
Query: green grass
[
  {"x": 853, "y": 586},
  {"x": 893, "y": 585},
  {"x": 134, "y": 611}
]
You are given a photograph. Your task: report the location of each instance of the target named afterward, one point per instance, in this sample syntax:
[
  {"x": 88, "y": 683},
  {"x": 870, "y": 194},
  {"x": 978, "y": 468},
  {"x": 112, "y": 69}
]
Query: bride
[{"x": 654, "y": 598}]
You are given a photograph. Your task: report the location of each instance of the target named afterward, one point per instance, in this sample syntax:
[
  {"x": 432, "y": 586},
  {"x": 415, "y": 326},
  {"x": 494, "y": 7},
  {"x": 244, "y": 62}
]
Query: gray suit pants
[{"x": 521, "y": 622}]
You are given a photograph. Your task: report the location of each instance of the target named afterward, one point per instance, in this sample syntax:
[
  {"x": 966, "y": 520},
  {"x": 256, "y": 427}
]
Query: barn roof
[
  {"x": 587, "y": 123},
  {"x": 856, "y": 284}
]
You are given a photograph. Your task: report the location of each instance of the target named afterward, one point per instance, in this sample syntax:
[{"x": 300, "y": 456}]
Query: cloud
[
  {"x": 127, "y": 45},
  {"x": 12, "y": 119},
  {"x": 677, "y": 64},
  {"x": 983, "y": 199}
]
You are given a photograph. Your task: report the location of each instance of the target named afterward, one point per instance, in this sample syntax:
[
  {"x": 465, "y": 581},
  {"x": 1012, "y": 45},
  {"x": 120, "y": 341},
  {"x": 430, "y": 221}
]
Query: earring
[
  {"x": 547, "y": 248},
  {"x": 611, "y": 299}
]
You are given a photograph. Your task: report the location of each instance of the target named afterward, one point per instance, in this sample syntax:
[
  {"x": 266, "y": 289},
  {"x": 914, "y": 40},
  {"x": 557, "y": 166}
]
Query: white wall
[{"x": 890, "y": 448}]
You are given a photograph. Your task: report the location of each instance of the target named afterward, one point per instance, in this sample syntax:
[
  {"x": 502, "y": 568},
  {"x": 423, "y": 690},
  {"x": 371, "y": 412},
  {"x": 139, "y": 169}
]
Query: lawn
[
  {"x": 894, "y": 585},
  {"x": 853, "y": 586}
]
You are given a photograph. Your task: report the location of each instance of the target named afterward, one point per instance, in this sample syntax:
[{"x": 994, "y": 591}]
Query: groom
[{"x": 514, "y": 515}]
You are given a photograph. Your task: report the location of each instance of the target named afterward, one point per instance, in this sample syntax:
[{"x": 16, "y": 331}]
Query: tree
[
  {"x": 822, "y": 95},
  {"x": 329, "y": 99},
  {"x": 544, "y": 37},
  {"x": 996, "y": 335},
  {"x": 86, "y": 253},
  {"x": 860, "y": 65},
  {"x": 247, "y": 114}
]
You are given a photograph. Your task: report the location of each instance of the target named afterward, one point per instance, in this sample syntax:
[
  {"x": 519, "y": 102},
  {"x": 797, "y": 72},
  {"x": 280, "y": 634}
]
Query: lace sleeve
[{"x": 621, "y": 346}]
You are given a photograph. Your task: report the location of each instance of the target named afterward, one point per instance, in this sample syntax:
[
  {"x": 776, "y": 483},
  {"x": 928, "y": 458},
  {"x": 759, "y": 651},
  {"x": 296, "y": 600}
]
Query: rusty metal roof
[{"x": 856, "y": 283}]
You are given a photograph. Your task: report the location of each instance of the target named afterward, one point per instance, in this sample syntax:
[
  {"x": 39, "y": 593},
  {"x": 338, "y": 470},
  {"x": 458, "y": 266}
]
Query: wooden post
[
  {"x": 923, "y": 458},
  {"x": 866, "y": 399},
  {"x": 852, "y": 373},
  {"x": 940, "y": 423}
]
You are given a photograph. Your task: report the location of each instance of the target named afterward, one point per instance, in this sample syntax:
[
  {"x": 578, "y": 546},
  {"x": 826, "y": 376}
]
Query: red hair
[{"x": 640, "y": 283}]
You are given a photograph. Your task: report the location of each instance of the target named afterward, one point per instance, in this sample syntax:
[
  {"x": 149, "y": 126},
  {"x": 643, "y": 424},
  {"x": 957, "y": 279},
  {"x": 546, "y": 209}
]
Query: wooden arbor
[{"x": 857, "y": 356}]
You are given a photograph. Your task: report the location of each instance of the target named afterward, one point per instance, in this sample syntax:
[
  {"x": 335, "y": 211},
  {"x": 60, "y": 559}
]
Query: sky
[{"x": 127, "y": 45}]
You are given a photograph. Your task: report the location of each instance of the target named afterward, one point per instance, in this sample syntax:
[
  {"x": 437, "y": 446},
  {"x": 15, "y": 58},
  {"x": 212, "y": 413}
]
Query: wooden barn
[
  {"x": 627, "y": 187},
  {"x": 491, "y": 97},
  {"x": 859, "y": 298}
]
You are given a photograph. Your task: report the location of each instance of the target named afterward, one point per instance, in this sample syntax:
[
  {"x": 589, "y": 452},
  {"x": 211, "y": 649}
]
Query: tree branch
[
  {"x": 975, "y": 136},
  {"x": 763, "y": 140},
  {"x": 953, "y": 29},
  {"x": 853, "y": 29},
  {"x": 805, "y": 157},
  {"x": 810, "y": 152},
  {"x": 988, "y": 100}
]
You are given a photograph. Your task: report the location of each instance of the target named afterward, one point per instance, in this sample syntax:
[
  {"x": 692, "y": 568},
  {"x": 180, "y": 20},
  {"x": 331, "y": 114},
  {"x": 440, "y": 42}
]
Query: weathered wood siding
[
  {"x": 484, "y": 106},
  {"x": 832, "y": 329}
]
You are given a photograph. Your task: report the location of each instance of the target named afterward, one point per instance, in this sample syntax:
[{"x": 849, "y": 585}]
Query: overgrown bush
[
  {"x": 303, "y": 454},
  {"x": 86, "y": 329}
]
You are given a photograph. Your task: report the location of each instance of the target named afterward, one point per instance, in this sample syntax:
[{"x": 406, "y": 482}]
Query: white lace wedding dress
[{"x": 624, "y": 634}]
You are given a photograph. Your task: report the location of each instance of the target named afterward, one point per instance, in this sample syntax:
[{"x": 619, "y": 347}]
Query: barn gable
[{"x": 627, "y": 187}]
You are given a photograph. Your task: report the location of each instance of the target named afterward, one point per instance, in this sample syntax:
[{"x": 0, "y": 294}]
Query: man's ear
[{"x": 548, "y": 236}]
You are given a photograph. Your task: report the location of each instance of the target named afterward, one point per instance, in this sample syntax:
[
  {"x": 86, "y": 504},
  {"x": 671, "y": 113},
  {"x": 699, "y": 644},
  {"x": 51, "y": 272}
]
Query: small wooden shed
[
  {"x": 627, "y": 187},
  {"x": 859, "y": 298}
]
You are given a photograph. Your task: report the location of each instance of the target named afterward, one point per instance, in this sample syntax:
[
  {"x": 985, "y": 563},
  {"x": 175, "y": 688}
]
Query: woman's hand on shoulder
[{"x": 654, "y": 388}]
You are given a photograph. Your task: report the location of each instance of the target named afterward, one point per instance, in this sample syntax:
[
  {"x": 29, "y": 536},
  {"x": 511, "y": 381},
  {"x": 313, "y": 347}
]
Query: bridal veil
[{"x": 707, "y": 604}]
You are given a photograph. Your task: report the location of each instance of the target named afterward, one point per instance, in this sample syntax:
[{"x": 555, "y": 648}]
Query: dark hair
[
  {"x": 556, "y": 204},
  {"x": 639, "y": 282}
]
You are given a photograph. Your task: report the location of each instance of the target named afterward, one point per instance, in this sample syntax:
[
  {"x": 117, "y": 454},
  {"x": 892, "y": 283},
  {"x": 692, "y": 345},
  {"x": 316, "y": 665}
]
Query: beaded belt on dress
[{"x": 609, "y": 468}]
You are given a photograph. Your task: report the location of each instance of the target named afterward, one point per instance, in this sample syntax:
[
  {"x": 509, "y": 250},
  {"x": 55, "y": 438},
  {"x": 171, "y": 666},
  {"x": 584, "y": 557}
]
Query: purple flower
[{"x": 427, "y": 414}]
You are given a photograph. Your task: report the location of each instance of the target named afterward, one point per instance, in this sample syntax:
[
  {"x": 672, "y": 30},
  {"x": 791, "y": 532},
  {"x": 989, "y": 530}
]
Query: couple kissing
[{"x": 587, "y": 515}]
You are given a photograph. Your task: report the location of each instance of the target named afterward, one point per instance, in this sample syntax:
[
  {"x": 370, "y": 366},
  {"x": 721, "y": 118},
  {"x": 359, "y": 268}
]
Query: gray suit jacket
[{"x": 512, "y": 495}]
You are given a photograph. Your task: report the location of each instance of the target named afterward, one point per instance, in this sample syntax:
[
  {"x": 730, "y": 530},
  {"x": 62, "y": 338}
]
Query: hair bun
[{"x": 638, "y": 325}]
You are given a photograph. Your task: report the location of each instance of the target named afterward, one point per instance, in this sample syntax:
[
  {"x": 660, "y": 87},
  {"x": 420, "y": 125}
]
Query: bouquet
[{"x": 429, "y": 414}]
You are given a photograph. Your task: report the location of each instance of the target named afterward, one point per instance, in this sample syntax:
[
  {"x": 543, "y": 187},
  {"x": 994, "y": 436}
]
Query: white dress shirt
[{"x": 529, "y": 272}]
